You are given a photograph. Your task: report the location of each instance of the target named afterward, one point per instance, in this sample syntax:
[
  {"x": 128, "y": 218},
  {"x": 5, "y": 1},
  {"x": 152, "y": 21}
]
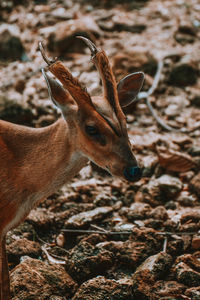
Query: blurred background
[{"x": 137, "y": 35}]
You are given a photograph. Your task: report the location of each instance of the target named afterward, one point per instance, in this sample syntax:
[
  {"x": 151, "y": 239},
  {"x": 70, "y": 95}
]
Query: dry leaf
[{"x": 174, "y": 160}]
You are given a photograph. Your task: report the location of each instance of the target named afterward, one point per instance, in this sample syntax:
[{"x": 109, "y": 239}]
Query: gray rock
[
  {"x": 159, "y": 213},
  {"x": 102, "y": 288},
  {"x": 11, "y": 47},
  {"x": 164, "y": 188},
  {"x": 195, "y": 184},
  {"x": 137, "y": 211},
  {"x": 183, "y": 75},
  {"x": 85, "y": 218}
]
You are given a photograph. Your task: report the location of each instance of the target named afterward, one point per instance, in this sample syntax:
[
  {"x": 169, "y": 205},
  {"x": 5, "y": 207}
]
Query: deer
[{"x": 35, "y": 162}]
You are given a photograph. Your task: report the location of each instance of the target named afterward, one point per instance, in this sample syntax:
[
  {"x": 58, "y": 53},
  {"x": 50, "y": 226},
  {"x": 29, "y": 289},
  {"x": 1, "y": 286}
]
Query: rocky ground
[{"x": 99, "y": 237}]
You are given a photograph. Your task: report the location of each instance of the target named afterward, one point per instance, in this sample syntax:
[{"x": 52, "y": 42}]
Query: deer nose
[{"x": 132, "y": 173}]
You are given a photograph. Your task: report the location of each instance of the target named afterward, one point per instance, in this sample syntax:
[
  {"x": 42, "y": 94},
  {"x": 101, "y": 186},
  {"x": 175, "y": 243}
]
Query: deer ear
[
  {"x": 60, "y": 97},
  {"x": 129, "y": 87}
]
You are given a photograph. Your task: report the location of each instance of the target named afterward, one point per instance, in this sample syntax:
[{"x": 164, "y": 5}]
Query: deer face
[{"x": 98, "y": 123}]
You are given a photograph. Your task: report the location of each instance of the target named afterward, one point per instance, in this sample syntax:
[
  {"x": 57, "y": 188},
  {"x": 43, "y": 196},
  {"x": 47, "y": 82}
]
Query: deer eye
[{"x": 92, "y": 130}]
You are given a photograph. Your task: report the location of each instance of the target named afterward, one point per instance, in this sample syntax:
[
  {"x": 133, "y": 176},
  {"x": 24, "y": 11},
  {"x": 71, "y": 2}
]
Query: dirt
[{"x": 99, "y": 237}]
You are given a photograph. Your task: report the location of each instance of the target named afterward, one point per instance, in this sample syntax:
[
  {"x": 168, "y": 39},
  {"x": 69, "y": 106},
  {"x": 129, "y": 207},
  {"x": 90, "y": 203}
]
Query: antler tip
[
  {"x": 44, "y": 56},
  {"x": 90, "y": 44}
]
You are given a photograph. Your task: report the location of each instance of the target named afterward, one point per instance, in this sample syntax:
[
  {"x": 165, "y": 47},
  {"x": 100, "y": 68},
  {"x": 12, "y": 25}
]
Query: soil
[{"x": 100, "y": 237}]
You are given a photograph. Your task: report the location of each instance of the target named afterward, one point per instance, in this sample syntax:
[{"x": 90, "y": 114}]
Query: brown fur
[{"x": 34, "y": 163}]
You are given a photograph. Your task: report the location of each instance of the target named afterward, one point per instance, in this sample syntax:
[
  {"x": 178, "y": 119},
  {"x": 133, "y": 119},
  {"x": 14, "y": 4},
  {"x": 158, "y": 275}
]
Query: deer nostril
[{"x": 132, "y": 173}]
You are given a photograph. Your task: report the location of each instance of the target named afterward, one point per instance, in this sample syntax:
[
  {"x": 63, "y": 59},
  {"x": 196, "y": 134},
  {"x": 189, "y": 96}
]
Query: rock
[
  {"x": 62, "y": 37},
  {"x": 171, "y": 205},
  {"x": 196, "y": 242},
  {"x": 187, "y": 270},
  {"x": 85, "y": 218},
  {"x": 152, "y": 269},
  {"x": 40, "y": 218},
  {"x": 191, "y": 216},
  {"x": 193, "y": 293},
  {"x": 186, "y": 33},
  {"x": 102, "y": 288},
  {"x": 132, "y": 61},
  {"x": 168, "y": 288},
  {"x": 137, "y": 211},
  {"x": 195, "y": 150},
  {"x": 186, "y": 199},
  {"x": 164, "y": 188},
  {"x": 186, "y": 275},
  {"x": 11, "y": 47},
  {"x": 195, "y": 184},
  {"x": 86, "y": 261},
  {"x": 159, "y": 213},
  {"x": 23, "y": 247},
  {"x": 128, "y": 253},
  {"x": 196, "y": 101},
  {"x": 121, "y": 24},
  {"x": 15, "y": 112},
  {"x": 103, "y": 199},
  {"x": 35, "y": 279},
  {"x": 183, "y": 75}
]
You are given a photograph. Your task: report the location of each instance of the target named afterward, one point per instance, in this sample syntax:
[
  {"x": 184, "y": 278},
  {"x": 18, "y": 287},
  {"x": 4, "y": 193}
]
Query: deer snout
[{"x": 132, "y": 173}]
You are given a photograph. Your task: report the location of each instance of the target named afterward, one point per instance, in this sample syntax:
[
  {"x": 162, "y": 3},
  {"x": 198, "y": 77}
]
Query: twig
[
  {"x": 145, "y": 95},
  {"x": 176, "y": 233},
  {"x": 79, "y": 231},
  {"x": 51, "y": 259},
  {"x": 165, "y": 244},
  {"x": 98, "y": 228},
  {"x": 103, "y": 231}
]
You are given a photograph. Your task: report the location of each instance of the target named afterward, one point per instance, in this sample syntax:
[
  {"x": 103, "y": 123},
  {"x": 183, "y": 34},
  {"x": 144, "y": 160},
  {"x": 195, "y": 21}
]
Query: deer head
[{"x": 97, "y": 124}]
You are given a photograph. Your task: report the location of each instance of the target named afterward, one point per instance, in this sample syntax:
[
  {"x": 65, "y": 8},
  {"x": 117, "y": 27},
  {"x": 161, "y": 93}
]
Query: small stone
[
  {"x": 193, "y": 293},
  {"x": 195, "y": 150},
  {"x": 195, "y": 184},
  {"x": 191, "y": 216},
  {"x": 138, "y": 211},
  {"x": 186, "y": 199},
  {"x": 164, "y": 187},
  {"x": 183, "y": 75},
  {"x": 85, "y": 218},
  {"x": 60, "y": 240},
  {"x": 171, "y": 205},
  {"x": 196, "y": 243},
  {"x": 159, "y": 213},
  {"x": 168, "y": 288},
  {"x": 196, "y": 101},
  {"x": 11, "y": 47},
  {"x": 86, "y": 261}
]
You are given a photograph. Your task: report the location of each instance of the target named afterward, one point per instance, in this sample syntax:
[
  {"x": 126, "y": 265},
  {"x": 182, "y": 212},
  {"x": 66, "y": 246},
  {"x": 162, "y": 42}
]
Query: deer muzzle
[{"x": 132, "y": 173}]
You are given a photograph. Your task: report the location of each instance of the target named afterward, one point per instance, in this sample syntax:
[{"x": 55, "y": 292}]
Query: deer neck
[{"x": 45, "y": 158}]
